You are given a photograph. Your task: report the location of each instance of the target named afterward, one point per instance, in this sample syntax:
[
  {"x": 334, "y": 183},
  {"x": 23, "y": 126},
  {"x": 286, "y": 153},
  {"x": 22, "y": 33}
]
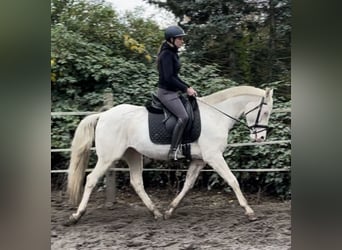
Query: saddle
[{"x": 161, "y": 122}]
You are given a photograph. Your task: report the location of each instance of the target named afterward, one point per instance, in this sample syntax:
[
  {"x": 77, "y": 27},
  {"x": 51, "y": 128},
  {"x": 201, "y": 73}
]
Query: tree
[{"x": 248, "y": 40}]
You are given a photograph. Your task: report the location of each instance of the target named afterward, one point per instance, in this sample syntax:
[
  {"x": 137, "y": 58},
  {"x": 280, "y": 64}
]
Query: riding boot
[{"x": 176, "y": 139}]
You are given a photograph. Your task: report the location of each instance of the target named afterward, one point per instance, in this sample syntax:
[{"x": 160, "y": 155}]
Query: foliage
[
  {"x": 140, "y": 29},
  {"x": 205, "y": 79}
]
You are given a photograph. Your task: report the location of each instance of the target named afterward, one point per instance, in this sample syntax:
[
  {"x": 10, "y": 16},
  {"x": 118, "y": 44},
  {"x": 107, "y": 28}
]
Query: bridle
[{"x": 256, "y": 124}]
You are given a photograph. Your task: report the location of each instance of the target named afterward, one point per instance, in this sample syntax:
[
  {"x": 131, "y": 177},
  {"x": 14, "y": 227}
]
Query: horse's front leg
[
  {"x": 191, "y": 176},
  {"x": 217, "y": 162},
  {"x": 135, "y": 163}
]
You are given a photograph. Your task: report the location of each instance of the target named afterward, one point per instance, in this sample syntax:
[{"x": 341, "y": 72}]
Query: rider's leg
[
  {"x": 177, "y": 135},
  {"x": 173, "y": 103}
]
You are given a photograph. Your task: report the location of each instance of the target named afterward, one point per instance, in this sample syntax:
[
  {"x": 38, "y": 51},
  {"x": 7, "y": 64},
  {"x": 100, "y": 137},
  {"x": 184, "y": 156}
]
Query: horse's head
[{"x": 257, "y": 116}]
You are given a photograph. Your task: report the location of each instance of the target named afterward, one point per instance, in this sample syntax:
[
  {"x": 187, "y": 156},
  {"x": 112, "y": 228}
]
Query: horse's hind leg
[
  {"x": 191, "y": 176},
  {"x": 218, "y": 163},
  {"x": 135, "y": 163},
  {"x": 99, "y": 170}
]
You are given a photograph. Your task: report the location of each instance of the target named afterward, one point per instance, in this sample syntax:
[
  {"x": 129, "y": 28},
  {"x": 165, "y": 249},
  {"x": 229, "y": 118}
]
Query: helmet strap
[{"x": 171, "y": 42}]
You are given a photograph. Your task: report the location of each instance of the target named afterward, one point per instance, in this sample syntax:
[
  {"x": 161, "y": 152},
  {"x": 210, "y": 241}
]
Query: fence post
[{"x": 110, "y": 174}]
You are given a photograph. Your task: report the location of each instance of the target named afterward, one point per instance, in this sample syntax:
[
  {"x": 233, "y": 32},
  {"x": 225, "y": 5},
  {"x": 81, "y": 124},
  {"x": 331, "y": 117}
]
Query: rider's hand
[{"x": 191, "y": 92}]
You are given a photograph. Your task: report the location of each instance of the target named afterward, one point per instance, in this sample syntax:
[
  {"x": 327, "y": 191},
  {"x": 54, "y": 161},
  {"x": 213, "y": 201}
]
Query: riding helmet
[{"x": 173, "y": 31}]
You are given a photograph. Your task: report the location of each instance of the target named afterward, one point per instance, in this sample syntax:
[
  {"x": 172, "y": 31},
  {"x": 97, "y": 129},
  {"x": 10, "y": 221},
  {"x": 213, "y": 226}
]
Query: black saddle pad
[{"x": 161, "y": 130}]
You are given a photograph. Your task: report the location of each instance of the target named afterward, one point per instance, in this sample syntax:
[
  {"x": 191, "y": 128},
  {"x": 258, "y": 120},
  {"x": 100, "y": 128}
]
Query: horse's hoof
[
  {"x": 110, "y": 205},
  {"x": 167, "y": 215},
  {"x": 71, "y": 221},
  {"x": 252, "y": 217},
  {"x": 157, "y": 215}
]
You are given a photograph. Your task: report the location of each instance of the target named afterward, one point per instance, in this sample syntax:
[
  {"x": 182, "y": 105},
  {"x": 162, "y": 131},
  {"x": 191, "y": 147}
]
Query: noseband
[{"x": 256, "y": 123}]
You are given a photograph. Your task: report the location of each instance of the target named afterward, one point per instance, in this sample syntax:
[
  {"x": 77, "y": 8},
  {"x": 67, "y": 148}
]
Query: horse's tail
[{"x": 80, "y": 151}]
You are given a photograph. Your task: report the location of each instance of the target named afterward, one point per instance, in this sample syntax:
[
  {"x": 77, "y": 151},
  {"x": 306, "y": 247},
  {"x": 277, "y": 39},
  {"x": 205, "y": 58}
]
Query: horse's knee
[{"x": 91, "y": 181}]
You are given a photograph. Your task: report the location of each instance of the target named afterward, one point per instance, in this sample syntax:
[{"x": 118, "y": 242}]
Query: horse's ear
[{"x": 269, "y": 93}]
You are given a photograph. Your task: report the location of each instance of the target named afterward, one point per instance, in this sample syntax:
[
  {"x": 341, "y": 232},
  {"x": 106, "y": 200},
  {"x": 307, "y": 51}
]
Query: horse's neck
[
  {"x": 233, "y": 101},
  {"x": 235, "y": 106}
]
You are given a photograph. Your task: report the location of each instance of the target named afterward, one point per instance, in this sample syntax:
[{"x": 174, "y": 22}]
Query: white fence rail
[{"x": 62, "y": 171}]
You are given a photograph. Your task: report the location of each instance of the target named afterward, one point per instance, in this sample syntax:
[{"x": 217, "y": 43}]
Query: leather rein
[{"x": 256, "y": 123}]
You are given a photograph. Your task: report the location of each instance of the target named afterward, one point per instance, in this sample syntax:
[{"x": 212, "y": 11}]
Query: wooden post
[
  {"x": 110, "y": 187},
  {"x": 110, "y": 175}
]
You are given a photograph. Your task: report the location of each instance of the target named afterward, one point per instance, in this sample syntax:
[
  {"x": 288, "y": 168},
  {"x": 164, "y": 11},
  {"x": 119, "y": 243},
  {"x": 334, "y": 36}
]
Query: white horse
[{"x": 122, "y": 133}]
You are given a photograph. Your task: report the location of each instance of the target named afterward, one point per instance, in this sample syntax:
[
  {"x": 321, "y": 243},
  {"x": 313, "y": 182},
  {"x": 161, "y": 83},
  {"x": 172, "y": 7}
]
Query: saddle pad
[{"x": 160, "y": 135}]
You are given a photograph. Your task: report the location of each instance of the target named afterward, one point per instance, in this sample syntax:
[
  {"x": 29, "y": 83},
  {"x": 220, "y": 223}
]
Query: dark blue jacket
[{"x": 168, "y": 67}]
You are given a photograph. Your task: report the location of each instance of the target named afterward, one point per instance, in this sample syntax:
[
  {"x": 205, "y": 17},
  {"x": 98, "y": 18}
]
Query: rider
[{"x": 170, "y": 84}]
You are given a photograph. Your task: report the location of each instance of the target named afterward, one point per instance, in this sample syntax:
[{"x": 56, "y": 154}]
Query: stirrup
[{"x": 173, "y": 154}]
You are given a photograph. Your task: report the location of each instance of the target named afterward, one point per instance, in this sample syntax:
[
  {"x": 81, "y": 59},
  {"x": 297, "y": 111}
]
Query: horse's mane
[{"x": 231, "y": 92}]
